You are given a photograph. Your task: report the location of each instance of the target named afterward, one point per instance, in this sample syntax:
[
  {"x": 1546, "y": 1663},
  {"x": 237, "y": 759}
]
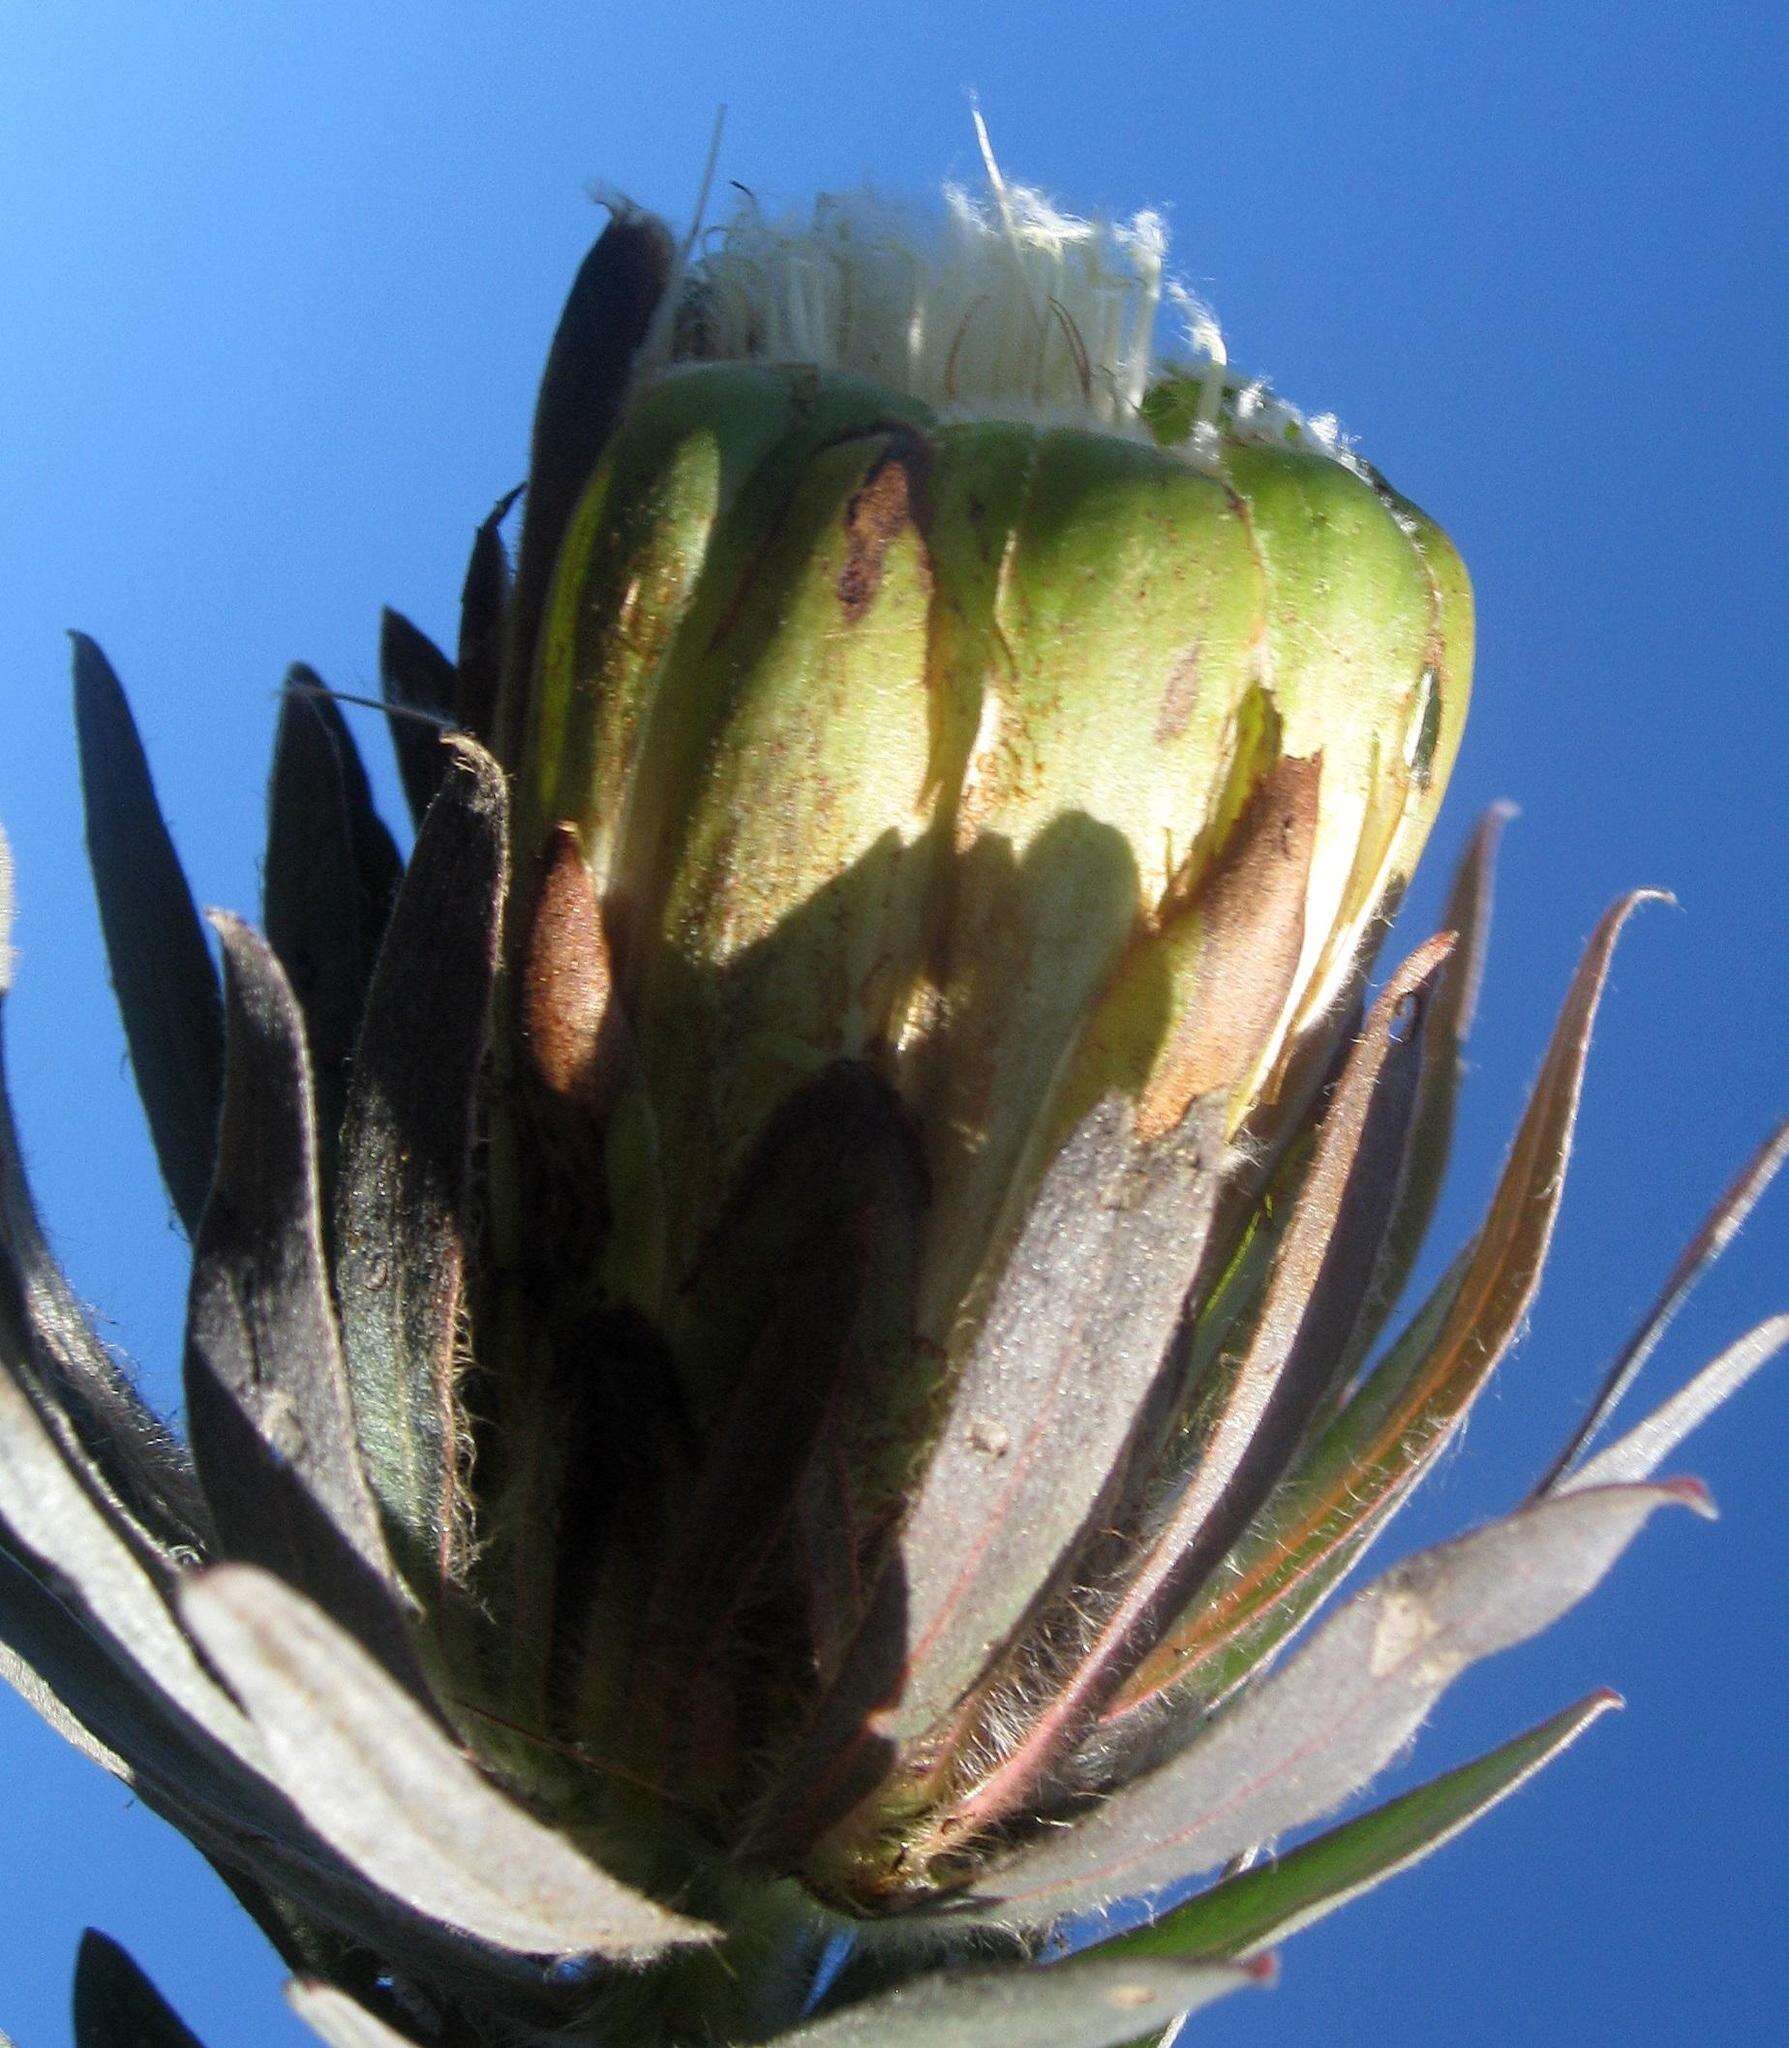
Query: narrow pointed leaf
[
  {"x": 1718, "y": 1229},
  {"x": 1342, "y": 1489},
  {"x": 484, "y": 619},
  {"x": 1280, "y": 1897},
  {"x": 401, "y": 1219},
  {"x": 610, "y": 307},
  {"x": 1046, "y": 1403},
  {"x": 1639, "y": 1453},
  {"x": 1314, "y": 1295},
  {"x": 1306, "y": 1737},
  {"x": 116, "y": 2006},
  {"x": 340, "y": 2020},
  {"x": 1089, "y": 2002},
  {"x": 420, "y": 686},
  {"x": 1320, "y": 1274},
  {"x": 376, "y": 1777},
  {"x": 330, "y": 874},
  {"x": 1447, "y": 1026},
  {"x": 161, "y": 967},
  {"x": 267, "y": 1400}
]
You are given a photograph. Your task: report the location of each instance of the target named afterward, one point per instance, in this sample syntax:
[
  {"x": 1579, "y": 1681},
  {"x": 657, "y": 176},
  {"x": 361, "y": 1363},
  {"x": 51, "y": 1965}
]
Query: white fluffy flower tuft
[{"x": 994, "y": 304}]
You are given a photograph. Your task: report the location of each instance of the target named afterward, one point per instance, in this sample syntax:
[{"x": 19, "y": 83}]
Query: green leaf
[
  {"x": 161, "y": 967},
  {"x": 610, "y": 307},
  {"x": 1287, "y": 1893},
  {"x": 1088, "y": 2002},
  {"x": 420, "y": 686},
  {"x": 1303, "y": 1739},
  {"x": 116, "y": 2006},
  {"x": 268, "y": 1409},
  {"x": 402, "y": 1219},
  {"x": 378, "y": 1779}
]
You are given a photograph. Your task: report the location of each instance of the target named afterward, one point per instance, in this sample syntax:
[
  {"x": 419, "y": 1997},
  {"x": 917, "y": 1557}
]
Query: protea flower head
[{"x": 786, "y": 1318}]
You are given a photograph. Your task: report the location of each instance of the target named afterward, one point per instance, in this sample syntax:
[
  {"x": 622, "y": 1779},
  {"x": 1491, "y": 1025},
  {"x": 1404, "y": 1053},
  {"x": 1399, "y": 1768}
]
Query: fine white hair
[{"x": 995, "y": 303}]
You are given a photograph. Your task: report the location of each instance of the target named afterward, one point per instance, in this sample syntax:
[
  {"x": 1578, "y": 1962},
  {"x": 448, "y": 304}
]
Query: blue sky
[{"x": 278, "y": 280}]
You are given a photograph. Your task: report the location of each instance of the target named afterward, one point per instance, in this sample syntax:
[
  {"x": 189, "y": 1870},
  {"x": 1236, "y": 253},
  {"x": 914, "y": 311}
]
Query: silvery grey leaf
[
  {"x": 1036, "y": 1423},
  {"x": 1351, "y": 1475},
  {"x": 60, "y": 1662},
  {"x": 1313, "y": 1296},
  {"x": 1258, "y": 1411},
  {"x": 54, "y": 1667},
  {"x": 484, "y": 617},
  {"x": 69, "y": 1543},
  {"x": 1447, "y": 1025},
  {"x": 1717, "y": 1231},
  {"x": 379, "y": 1781},
  {"x": 1286, "y": 1893},
  {"x": 341, "y": 2020},
  {"x": 267, "y": 1399},
  {"x": 1646, "y": 1446},
  {"x": 1305, "y": 1738},
  {"x": 1089, "y": 2002}
]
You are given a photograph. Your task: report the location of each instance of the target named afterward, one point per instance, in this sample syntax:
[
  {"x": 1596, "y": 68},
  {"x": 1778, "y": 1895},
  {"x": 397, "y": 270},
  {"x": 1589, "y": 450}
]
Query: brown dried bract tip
[
  {"x": 567, "y": 975},
  {"x": 1251, "y": 910}
]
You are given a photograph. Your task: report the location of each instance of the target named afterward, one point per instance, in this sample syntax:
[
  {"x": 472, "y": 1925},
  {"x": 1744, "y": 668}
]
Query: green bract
[{"x": 1023, "y": 762}]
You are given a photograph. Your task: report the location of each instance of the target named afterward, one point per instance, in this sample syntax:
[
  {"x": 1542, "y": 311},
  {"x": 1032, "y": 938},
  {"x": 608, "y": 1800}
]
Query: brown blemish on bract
[
  {"x": 880, "y": 510},
  {"x": 1180, "y": 693}
]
